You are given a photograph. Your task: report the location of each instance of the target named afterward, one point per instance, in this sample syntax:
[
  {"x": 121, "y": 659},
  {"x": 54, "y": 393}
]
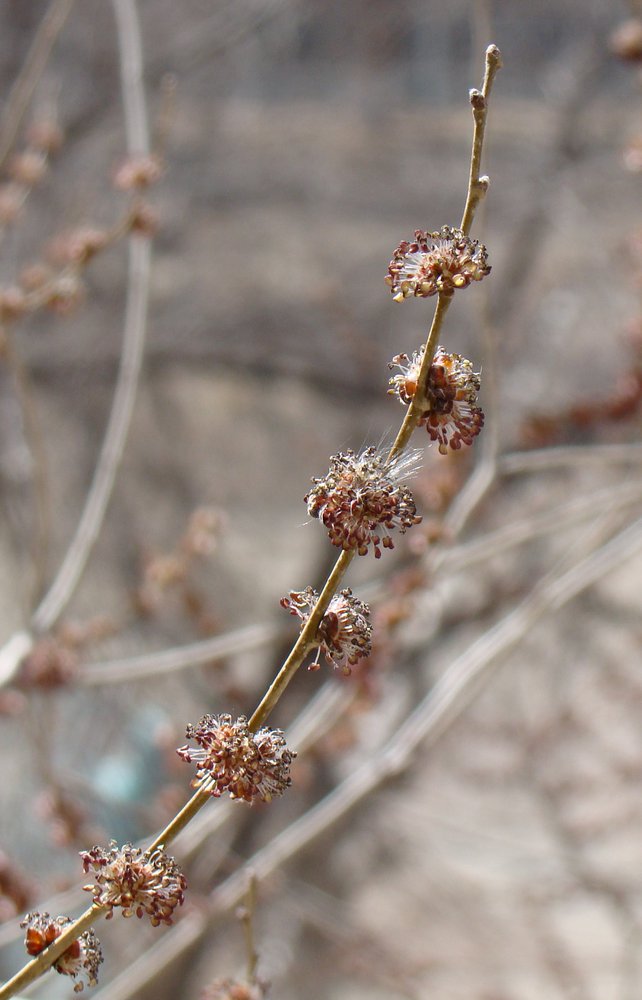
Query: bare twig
[
  {"x": 478, "y": 185},
  {"x": 74, "y": 563}
]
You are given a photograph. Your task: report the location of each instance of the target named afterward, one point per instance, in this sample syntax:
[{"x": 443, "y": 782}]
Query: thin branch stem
[
  {"x": 307, "y": 640},
  {"x": 182, "y": 818},
  {"x": 417, "y": 404},
  {"x": 166, "y": 661},
  {"x": 569, "y": 456},
  {"x": 39, "y": 965}
]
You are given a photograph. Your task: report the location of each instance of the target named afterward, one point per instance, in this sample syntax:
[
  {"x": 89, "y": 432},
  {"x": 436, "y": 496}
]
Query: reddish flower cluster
[
  {"x": 234, "y": 759},
  {"x": 83, "y": 956},
  {"x": 451, "y": 415},
  {"x": 149, "y": 882},
  {"x": 344, "y": 633},
  {"x": 436, "y": 262},
  {"x": 361, "y": 500}
]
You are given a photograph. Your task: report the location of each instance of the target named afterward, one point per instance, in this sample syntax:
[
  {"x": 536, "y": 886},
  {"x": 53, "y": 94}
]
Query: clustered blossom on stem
[
  {"x": 344, "y": 633},
  {"x": 138, "y": 882},
  {"x": 361, "y": 500},
  {"x": 438, "y": 262},
  {"x": 451, "y": 414},
  {"x": 234, "y": 759},
  {"x": 81, "y": 959}
]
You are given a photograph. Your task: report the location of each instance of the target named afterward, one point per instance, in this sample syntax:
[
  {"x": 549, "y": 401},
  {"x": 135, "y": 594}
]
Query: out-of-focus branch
[
  {"x": 517, "y": 463},
  {"x": 31, "y": 72},
  {"x": 91, "y": 520},
  {"x": 166, "y": 661}
]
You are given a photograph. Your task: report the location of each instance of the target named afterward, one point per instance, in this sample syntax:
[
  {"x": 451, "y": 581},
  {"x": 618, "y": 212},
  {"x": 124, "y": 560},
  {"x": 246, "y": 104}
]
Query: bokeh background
[{"x": 302, "y": 142}]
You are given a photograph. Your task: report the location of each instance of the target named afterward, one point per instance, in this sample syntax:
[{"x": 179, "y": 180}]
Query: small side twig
[{"x": 478, "y": 185}]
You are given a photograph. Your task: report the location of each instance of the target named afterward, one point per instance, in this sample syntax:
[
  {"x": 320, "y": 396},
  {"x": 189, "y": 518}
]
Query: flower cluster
[
  {"x": 344, "y": 633},
  {"x": 149, "y": 882},
  {"x": 81, "y": 959},
  {"x": 234, "y": 759},
  {"x": 361, "y": 500},
  {"x": 451, "y": 414},
  {"x": 436, "y": 262}
]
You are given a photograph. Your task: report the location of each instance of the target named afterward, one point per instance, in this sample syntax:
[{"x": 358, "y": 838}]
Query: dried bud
[
  {"x": 436, "y": 262},
  {"x": 12, "y": 197},
  {"x": 82, "y": 958},
  {"x": 138, "y": 172},
  {"x": 451, "y": 414},
  {"x": 633, "y": 155},
  {"x": 344, "y": 633},
  {"x": 626, "y": 40},
  {"x": 149, "y": 882},
  {"x": 64, "y": 294},
  {"x": 13, "y": 304},
  {"x": 45, "y": 136},
  {"x": 361, "y": 500},
  {"x": 34, "y": 276},
  {"x": 144, "y": 220},
  {"x": 203, "y": 532},
  {"x": 50, "y": 664},
  {"x": 164, "y": 571},
  {"x": 234, "y": 759},
  {"x": 77, "y": 246},
  {"x": 27, "y": 168}
]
